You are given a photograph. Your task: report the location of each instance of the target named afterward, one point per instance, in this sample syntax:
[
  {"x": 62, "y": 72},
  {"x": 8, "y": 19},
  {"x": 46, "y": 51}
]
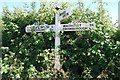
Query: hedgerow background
[{"x": 84, "y": 54}]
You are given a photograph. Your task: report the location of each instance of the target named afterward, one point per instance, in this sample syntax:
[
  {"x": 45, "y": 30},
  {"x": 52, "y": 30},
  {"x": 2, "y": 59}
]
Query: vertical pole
[
  {"x": 57, "y": 41},
  {"x": 119, "y": 14}
]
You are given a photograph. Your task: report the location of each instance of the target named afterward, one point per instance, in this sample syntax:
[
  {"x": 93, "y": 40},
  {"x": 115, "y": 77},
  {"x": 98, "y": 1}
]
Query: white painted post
[
  {"x": 57, "y": 28},
  {"x": 57, "y": 41}
]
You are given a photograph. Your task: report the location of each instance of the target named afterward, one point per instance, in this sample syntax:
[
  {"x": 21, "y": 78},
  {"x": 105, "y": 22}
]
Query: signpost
[{"x": 57, "y": 28}]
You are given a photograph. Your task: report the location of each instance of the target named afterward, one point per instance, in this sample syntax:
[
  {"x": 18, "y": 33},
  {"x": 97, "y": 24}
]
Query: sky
[{"x": 112, "y": 6}]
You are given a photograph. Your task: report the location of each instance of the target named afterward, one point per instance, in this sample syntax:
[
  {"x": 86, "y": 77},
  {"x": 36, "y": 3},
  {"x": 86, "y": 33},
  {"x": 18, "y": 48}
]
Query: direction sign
[
  {"x": 57, "y": 28},
  {"x": 39, "y": 28},
  {"x": 64, "y": 27},
  {"x": 79, "y": 26},
  {"x": 65, "y": 14}
]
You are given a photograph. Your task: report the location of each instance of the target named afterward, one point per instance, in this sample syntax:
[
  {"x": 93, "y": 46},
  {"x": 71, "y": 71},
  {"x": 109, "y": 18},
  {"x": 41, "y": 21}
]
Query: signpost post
[
  {"x": 57, "y": 41},
  {"x": 57, "y": 28}
]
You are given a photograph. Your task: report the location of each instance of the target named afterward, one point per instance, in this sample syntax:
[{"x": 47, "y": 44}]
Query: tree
[{"x": 31, "y": 55}]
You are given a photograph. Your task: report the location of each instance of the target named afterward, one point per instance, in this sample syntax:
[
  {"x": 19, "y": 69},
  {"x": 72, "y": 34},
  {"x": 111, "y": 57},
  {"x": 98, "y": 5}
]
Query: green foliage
[{"x": 85, "y": 54}]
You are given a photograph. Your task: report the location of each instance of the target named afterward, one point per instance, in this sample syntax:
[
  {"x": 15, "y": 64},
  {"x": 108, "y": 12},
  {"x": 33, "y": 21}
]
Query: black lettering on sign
[
  {"x": 65, "y": 25},
  {"x": 67, "y": 14},
  {"x": 47, "y": 26},
  {"x": 70, "y": 25},
  {"x": 42, "y": 26},
  {"x": 91, "y": 24},
  {"x": 80, "y": 25},
  {"x": 63, "y": 13},
  {"x": 51, "y": 26},
  {"x": 64, "y": 28},
  {"x": 51, "y": 29}
]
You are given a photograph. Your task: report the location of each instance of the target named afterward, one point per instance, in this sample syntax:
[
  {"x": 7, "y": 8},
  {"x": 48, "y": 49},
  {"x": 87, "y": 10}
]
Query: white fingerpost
[
  {"x": 57, "y": 28},
  {"x": 57, "y": 41}
]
